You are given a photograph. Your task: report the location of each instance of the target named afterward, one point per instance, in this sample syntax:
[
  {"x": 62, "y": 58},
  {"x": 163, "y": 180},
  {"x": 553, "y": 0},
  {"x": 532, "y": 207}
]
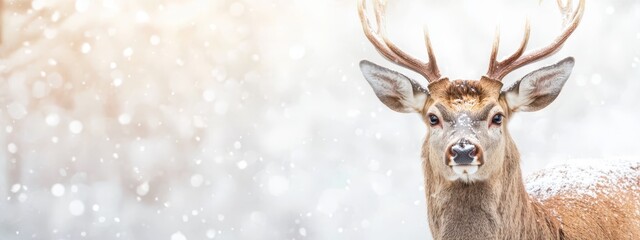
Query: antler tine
[
  {"x": 495, "y": 65},
  {"x": 380, "y": 9},
  {"x": 499, "y": 69},
  {"x": 565, "y": 9},
  {"x": 523, "y": 45},
  {"x": 433, "y": 65},
  {"x": 369, "y": 33},
  {"x": 388, "y": 49},
  {"x": 494, "y": 52}
]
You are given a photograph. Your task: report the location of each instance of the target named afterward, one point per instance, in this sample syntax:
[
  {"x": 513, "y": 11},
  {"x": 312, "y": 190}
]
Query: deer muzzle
[{"x": 464, "y": 157}]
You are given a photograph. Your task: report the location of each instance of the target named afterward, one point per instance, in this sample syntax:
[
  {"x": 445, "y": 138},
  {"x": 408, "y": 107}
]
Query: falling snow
[
  {"x": 127, "y": 52},
  {"x": 154, "y": 40},
  {"x": 211, "y": 234},
  {"x": 86, "y": 48},
  {"x": 178, "y": 236},
  {"x": 76, "y": 207},
  {"x": 82, "y": 5},
  {"x": 57, "y": 190},
  {"x": 235, "y": 119},
  {"x": 196, "y": 180},
  {"x": 52, "y": 119},
  {"x": 12, "y": 148},
  {"x": 242, "y": 164},
  {"x": 75, "y": 127},
  {"x": 143, "y": 189}
]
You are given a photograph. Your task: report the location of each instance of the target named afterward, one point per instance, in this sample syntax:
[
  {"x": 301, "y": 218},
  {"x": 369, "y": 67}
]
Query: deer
[{"x": 473, "y": 181}]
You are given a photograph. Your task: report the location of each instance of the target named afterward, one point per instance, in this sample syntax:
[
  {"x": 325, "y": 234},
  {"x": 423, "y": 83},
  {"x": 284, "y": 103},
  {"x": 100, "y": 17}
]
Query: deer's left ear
[
  {"x": 539, "y": 88},
  {"x": 397, "y": 91}
]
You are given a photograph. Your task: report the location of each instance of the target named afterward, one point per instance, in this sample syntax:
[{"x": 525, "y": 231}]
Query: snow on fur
[{"x": 579, "y": 178}]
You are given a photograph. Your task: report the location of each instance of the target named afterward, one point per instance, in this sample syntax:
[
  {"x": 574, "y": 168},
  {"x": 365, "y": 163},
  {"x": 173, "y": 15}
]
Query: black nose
[{"x": 463, "y": 153}]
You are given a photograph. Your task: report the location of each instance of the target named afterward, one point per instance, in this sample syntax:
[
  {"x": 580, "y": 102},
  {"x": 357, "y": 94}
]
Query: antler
[
  {"x": 499, "y": 69},
  {"x": 389, "y": 50}
]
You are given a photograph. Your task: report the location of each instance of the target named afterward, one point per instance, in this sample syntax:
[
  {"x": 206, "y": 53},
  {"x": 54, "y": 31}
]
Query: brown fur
[
  {"x": 450, "y": 92},
  {"x": 499, "y": 207}
]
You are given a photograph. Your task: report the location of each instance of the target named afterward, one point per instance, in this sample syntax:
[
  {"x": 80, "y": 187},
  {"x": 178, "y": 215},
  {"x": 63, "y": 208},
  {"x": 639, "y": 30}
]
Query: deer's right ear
[{"x": 395, "y": 90}]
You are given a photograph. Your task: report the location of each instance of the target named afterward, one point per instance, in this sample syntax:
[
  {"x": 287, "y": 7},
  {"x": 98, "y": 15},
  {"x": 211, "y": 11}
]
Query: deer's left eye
[{"x": 497, "y": 119}]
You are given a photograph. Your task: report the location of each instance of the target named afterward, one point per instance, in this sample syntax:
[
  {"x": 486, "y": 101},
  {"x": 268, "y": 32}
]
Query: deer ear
[
  {"x": 395, "y": 90},
  {"x": 539, "y": 88}
]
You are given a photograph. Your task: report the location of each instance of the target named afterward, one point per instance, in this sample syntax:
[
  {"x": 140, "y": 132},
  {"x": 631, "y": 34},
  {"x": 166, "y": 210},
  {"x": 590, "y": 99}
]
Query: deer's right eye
[{"x": 434, "y": 120}]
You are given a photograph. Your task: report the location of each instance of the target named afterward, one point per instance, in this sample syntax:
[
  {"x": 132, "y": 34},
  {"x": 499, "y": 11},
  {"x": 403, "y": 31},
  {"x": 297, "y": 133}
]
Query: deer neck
[{"x": 495, "y": 209}]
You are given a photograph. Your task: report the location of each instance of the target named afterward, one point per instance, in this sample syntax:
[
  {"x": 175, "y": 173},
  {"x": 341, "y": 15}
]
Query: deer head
[{"x": 466, "y": 119}]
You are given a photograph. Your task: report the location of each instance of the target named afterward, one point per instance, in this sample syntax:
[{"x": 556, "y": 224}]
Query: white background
[{"x": 251, "y": 120}]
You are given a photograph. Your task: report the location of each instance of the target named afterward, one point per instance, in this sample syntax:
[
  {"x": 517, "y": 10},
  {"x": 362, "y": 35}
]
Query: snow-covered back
[{"x": 579, "y": 178}]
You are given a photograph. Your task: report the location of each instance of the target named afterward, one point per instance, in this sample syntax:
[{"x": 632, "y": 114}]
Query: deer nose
[{"x": 463, "y": 152}]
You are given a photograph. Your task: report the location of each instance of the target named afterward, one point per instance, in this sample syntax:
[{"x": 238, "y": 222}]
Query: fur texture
[
  {"x": 492, "y": 202},
  {"x": 500, "y": 208}
]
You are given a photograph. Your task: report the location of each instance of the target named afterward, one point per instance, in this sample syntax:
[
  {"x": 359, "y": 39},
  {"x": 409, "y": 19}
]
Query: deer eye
[
  {"x": 497, "y": 119},
  {"x": 433, "y": 120}
]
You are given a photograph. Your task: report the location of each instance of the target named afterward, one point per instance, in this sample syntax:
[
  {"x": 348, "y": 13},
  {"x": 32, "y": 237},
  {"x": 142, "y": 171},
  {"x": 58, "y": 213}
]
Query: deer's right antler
[
  {"x": 389, "y": 50},
  {"x": 499, "y": 69}
]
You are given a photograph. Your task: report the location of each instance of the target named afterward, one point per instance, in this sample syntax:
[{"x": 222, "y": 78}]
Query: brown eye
[
  {"x": 433, "y": 120},
  {"x": 497, "y": 119}
]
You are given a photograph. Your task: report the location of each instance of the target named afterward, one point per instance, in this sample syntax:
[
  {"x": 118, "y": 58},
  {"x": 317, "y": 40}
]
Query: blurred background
[{"x": 249, "y": 119}]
